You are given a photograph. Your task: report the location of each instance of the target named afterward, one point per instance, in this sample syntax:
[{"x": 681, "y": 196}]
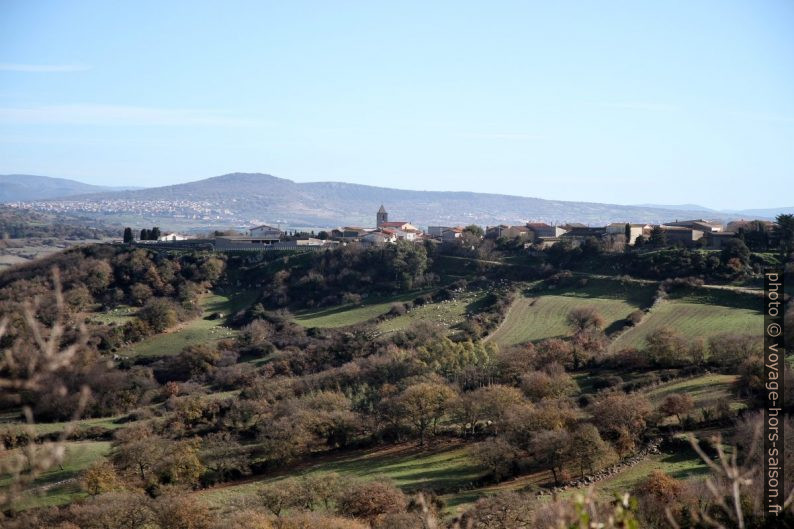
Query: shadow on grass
[
  {"x": 478, "y": 305},
  {"x": 683, "y": 456},
  {"x": 718, "y": 297},
  {"x": 640, "y": 296},
  {"x": 330, "y": 311},
  {"x": 615, "y": 326},
  {"x": 233, "y": 302}
]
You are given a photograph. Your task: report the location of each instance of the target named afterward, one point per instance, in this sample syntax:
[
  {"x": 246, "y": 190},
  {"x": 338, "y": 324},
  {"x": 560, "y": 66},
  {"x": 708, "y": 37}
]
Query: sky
[{"x": 664, "y": 102}]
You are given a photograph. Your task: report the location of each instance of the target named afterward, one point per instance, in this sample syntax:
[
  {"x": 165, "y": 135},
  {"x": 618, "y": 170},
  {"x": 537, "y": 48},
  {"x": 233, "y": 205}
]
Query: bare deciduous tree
[{"x": 35, "y": 354}]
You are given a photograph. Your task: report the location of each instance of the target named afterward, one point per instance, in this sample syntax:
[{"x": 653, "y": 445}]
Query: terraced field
[
  {"x": 351, "y": 314},
  {"x": 698, "y": 316},
  {"x": 537, "y": 315}
]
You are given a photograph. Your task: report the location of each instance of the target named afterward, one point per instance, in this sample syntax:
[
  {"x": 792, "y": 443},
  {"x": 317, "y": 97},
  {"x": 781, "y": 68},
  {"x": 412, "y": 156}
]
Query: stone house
[
  {"x": 266, "y": 232},
  {"x": 697, "y": 224},
  {"x": 579, "y": 235},
  {"x": 509, "y": 232},
  {"x": 436, "y": 231},
  {"x": 636, "y": 230},
  {"x": 716, "y": 239},
  {"x": 452, "y": 234},
  {"x": 541, "y": 229},
  {"x": 681, "y": 236}
]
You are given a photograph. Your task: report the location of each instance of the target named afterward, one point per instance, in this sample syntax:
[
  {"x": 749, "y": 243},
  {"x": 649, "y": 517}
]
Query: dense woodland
[
  {"x": 303, "y": 393},
  {"x": 60, "y": 290}
]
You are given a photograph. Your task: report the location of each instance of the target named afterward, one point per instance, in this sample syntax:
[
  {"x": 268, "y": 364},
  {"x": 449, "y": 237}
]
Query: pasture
[
  {"x": 201, "y": 330},
  {"x": 444, "y": 315},
  {"x": 540, "y": 314},
  {"x": 115, "y": 316},
  {"x": 702, "y": 314},
  {"x": 445, "y": 467},
  {"x": 683, "y": 465},
  {"x": 351, "y": 314},
  {"x": 60, "y": 484},
  {"x": 705, "y": 390}
]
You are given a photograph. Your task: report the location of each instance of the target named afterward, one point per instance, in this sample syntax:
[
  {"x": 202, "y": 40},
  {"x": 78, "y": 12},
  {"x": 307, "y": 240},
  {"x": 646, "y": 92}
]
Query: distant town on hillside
[{"x": 242, "y": 199}]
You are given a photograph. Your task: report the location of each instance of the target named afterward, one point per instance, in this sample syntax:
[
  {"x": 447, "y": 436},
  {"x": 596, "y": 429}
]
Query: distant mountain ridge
[
  {"x": 758, "y": 212},
  {"x": 765, "y": 212},
  {"x": 22, "y": 187},
  {"x": 679, "y": 207},
  {"x": 256, "y": 197}
]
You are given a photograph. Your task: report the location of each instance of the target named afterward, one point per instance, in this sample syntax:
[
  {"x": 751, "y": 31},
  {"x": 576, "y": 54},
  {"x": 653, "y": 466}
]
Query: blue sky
[{"x": 624, "y": 102}]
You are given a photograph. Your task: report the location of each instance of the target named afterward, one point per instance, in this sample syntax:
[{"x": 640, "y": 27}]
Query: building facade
[{"x": 266, "y": 232}]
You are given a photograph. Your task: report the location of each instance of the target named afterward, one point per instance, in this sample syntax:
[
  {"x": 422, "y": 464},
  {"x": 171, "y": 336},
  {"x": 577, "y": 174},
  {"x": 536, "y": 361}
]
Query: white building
[
  {"x": 377, "y": 238},
  {"x": 165, "y": 237}
]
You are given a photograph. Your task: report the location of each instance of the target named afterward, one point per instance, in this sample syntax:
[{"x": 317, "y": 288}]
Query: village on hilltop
[{"x": 617, "y": 236}]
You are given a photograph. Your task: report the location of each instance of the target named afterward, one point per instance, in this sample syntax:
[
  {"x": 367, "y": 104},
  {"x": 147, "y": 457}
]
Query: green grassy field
[
  {"x": 698, "y": 316},
  {"x": 459, "y": 502},
  {"x": 197, "y": 331},
  {"x": 442, "y": 468},
  {"x": 60, "y": 485},
  {"x": 352, "y": 314},
  {"x": 704, "y": 390},
  {"x": 117, "y": 316},
  {"x": 443, "y": 315},
  {"x": 540, "y": 314},
  {"x": 15, "y": 422},
  {"x": 448, "y": 469},
  {"x": 105, "y": 422},
  {"x": 681, "y": 465}
]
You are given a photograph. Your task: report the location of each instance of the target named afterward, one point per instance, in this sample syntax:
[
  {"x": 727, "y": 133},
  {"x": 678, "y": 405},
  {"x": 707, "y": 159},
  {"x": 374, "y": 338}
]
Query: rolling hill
[
  {"x": 256, "y": 197},
  {"x": 22, "y": 187}
]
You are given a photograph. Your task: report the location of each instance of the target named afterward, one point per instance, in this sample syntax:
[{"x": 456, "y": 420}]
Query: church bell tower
[{"x": 382, "y": 216}]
